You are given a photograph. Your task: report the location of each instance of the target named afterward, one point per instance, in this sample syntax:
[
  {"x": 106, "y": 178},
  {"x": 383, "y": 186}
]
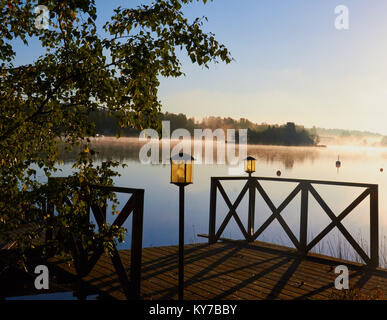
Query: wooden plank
[
  {"x": 247, "y": 267},
  {"x": 374, "y": 227},
  {"x": 304, "y": 218},
  {"x": 136, "y": 252},
  {"x": 205, "y": 263},
  {"x": 204, "y": 291},
  {"x": 230, "y": 271},
  {"x": 212, "y": 215},
  {"x": 237, "y": 277},
  {"x": 327, "y": 265},
  {"x": 251, "y": 214},
  {"x": 315, "y": 266},
  {"x": 218, "y": 285},
  {"x": 310, "y": 269}
]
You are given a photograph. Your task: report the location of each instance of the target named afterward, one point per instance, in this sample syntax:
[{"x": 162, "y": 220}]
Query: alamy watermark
[
  {"x": 342, "y": 280},
  {"x": 42, "y": 280},
  {"x": 224, "y": 142},
  {"x": 41, "y": 21},
  {"x": 342, "y": 18}
]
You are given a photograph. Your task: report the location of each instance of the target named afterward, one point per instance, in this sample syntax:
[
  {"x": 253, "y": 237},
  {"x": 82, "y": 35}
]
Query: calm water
[{"x": 359, "y": 164}]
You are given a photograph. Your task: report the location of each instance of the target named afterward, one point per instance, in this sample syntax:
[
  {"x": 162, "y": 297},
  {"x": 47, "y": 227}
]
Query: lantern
[
  {"x": 250, "y": 165},
  {"x": 182, "y": 169}
]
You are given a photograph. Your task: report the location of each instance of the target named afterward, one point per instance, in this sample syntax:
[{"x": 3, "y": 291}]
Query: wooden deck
[{"x": 234, "y": 271}]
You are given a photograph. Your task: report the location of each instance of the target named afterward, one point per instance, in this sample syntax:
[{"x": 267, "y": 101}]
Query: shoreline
[
  {"x": 136, "y": 140},
  {"x": 105, "y": 139}
]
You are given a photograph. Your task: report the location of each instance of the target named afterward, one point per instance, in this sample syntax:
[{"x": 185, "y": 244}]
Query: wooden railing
[
  {"x": 84, "y": 261},
  {"x": 305, "y": 187}
]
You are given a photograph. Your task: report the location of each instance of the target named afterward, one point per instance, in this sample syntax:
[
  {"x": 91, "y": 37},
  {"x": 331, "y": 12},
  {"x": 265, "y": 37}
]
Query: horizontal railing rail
[{"x": 306, "y": 188}]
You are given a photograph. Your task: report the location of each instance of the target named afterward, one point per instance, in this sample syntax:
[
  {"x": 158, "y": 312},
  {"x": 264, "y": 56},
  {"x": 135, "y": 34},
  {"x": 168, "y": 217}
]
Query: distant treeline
[
  {"x": 288, "y": 134},
  {"x": 344, "y": 133}
]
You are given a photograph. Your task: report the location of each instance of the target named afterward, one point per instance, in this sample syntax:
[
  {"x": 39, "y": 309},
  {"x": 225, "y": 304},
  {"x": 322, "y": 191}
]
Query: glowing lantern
[
  {"x": 182, "y": 169},
  {"x": 250, "y": 165}
]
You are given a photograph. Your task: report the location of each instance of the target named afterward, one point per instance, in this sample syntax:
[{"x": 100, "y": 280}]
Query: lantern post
[
  {"x": 181, "y": 175},
  {"x": 250, "y": 168}
]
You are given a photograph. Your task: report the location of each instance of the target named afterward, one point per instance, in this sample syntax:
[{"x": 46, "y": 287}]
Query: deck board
[{"x": 232, "y": 271}]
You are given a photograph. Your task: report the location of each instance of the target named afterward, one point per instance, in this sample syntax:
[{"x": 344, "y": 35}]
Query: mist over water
[{"x": 361, "y": 164}]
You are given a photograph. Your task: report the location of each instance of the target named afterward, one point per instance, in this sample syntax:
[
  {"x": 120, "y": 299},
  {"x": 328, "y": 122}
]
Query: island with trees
[{"x": 288, "y": 134}]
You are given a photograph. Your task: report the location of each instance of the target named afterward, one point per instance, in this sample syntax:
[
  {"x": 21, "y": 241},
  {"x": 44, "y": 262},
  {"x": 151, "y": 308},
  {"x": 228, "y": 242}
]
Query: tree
[{"x": 48, "y": 101}]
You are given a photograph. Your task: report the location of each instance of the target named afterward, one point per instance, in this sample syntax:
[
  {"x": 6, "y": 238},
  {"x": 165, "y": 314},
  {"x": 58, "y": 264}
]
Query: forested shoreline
[{"x": 288, "y": 134}]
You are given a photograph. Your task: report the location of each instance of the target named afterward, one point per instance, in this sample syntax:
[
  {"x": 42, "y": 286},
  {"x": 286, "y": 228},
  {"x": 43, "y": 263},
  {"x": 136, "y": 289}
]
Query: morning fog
[{"x": 227, "y": 145}]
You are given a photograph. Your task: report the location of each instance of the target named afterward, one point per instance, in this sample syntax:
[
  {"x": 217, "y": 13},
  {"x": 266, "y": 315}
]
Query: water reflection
[
  {"x": 288, "y": 156},
  {"x": 358, "y": 164},
  {"x": 127, "y": 149}
]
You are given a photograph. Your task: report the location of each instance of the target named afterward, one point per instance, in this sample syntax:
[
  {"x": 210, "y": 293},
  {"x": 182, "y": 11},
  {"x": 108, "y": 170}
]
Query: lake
[{"x": 358, "y": 164}]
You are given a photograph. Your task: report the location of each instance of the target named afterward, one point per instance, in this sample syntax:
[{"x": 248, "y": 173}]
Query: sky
[{"x": 291, "y": 63}]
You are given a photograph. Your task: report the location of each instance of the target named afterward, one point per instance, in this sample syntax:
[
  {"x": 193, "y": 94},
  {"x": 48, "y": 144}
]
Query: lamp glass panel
[
  {"x": 250, "y": 166},
  {"x": 189, "y": 171},
  {"x": 178, "y": 172}
]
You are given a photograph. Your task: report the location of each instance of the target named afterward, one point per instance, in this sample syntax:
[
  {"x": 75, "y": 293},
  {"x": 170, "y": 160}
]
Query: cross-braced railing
[
  {"x": 305, "y": 187},
  {"x": 85, "y": 261}
]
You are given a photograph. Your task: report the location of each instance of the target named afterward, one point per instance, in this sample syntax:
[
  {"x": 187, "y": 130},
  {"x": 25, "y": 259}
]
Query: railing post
[
  {"x": 374, "y": 227},
  {"x": 211, "y": 232},
  {"x": 251, "y": 214},
  {"x": 136, "y": 250},
  {"x": 304, "y": 218}
]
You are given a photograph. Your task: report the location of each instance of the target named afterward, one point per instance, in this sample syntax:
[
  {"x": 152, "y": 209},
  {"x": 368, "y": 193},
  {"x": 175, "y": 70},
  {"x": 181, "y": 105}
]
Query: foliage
[
  {"x": 49, "y": 100},
  {"x": 288, "y": 134}
]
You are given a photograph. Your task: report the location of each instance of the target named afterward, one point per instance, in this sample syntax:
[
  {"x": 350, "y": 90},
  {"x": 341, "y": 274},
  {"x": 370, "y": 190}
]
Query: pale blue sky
[{"x": 291, "y": 63}]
